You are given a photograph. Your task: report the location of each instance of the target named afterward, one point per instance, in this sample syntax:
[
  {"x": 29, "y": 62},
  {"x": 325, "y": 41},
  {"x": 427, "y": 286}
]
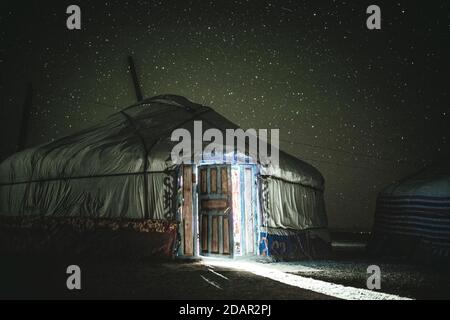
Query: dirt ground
[
  {"x": 407, "y": 280},
  {"x": 45, "y": 278}
]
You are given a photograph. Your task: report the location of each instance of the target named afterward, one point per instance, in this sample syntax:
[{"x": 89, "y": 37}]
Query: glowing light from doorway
[{"x": 323, "y": 287}]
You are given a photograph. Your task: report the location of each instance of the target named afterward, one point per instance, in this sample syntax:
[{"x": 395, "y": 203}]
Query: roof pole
[
  {"x": 23, "y": 137},
  {"x": 137, "y": 87}
]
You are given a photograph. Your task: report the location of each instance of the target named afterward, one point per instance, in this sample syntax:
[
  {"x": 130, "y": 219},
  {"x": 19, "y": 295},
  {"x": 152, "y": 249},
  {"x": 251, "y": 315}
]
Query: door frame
[
  {"x": 254, "y": 207},
  {"x": 195, "y": 212}
]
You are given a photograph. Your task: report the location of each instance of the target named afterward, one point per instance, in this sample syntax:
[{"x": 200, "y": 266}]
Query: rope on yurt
[
  {"x": 147, "y": 151},
  {"x": 145, "y": 159}
]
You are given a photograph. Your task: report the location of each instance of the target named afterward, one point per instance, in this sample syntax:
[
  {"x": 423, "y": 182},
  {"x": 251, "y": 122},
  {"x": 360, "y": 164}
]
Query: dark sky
[{"x": 365, "y": 107}]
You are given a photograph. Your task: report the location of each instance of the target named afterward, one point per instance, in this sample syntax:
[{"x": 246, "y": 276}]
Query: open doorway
[{"x": 227, "y": 210}]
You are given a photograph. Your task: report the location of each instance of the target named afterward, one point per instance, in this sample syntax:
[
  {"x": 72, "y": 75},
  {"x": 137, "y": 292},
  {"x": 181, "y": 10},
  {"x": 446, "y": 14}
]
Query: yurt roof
[
  {"x": 121, "y": 143},
  {"x": 431, "y": 181}
]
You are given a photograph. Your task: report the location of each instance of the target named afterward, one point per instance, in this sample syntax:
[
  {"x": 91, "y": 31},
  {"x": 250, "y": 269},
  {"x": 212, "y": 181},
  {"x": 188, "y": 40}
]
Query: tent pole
[
  {"x": 23, "y": 137},
  {"x": 137, "y": 87}
]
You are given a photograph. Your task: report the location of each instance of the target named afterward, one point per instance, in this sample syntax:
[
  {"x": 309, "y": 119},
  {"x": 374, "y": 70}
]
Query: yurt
[
  {"x": 412, "y": 219},
  {"x": 113, "y": 188}
]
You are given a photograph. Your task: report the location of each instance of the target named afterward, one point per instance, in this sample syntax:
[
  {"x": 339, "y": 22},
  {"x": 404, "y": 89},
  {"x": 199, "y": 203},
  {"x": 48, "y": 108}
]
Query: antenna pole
[{"x": 137, "y": 87}]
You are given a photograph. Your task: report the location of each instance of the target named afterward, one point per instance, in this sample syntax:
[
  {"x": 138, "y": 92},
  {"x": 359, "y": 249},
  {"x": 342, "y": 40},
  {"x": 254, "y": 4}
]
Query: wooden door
[{"x": 215, "y": 209}]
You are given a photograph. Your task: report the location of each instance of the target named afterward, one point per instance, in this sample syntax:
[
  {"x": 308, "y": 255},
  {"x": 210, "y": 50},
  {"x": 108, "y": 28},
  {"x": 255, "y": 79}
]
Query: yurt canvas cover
[
  {"x": 413, "y": 216},
  {"x": 121, "y": 169}
]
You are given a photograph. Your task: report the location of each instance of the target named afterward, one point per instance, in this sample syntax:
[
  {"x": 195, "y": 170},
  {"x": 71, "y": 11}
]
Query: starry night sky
[{"x": 364, "y": 107}]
